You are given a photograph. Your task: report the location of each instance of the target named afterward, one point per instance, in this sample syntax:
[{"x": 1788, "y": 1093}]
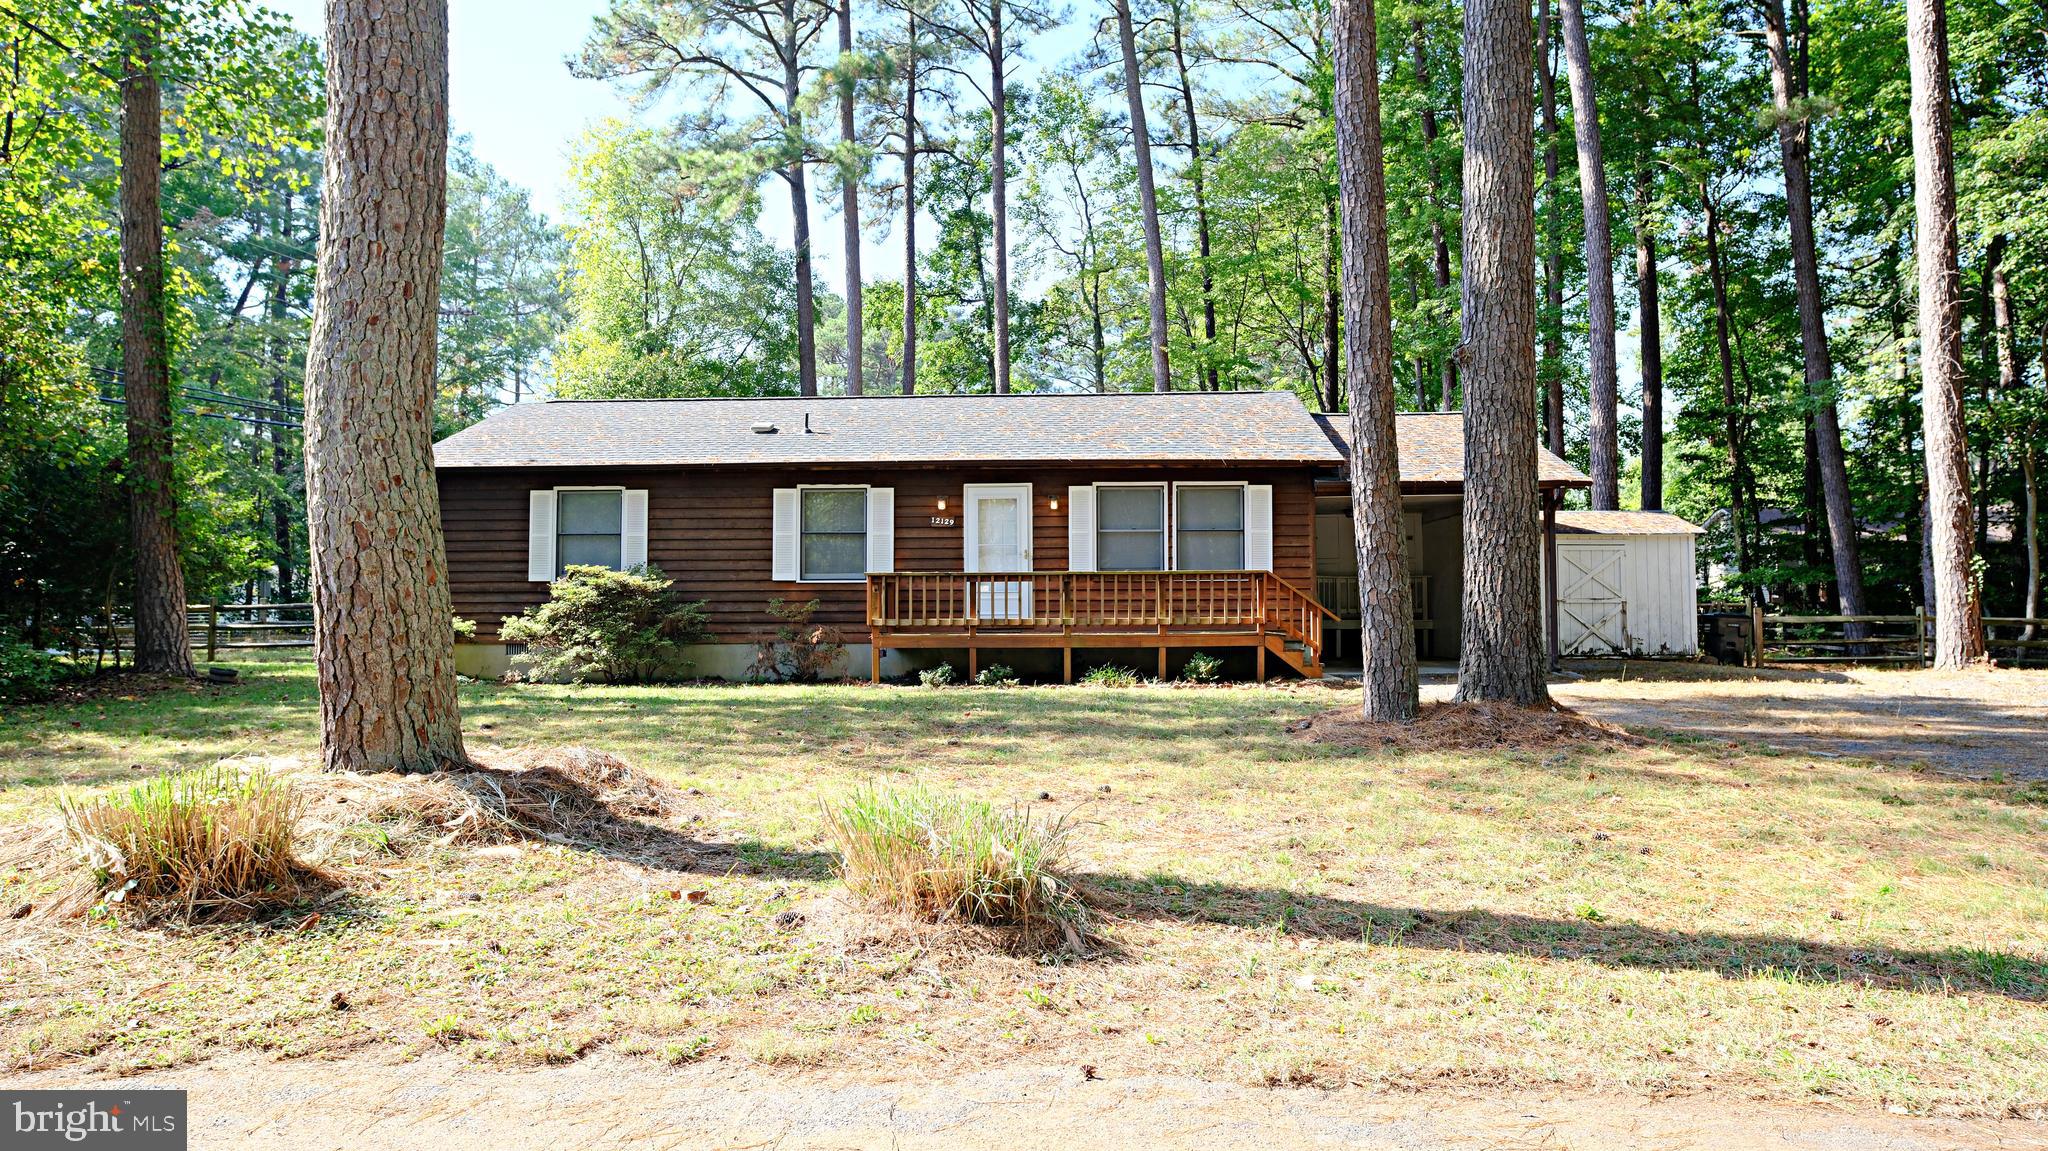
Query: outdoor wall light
[
  {"x": 942, "y": 505},
  {"x": 1055, "y": 505}
]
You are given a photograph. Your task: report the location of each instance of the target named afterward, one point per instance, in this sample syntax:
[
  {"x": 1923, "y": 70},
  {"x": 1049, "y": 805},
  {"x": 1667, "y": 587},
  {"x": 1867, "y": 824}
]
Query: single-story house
[{"x": 950, "y": 527}]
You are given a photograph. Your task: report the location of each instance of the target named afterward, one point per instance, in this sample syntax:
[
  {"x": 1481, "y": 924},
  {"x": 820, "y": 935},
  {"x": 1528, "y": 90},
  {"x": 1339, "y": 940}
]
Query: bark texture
[
  {"x": 1502, "y": 652},
  {"x": 1552, "y": 365},
  {"x": 1788, "y": 89},
  {"x": 162, "y": 644},
  {"x": 999, "y": 188},
  {"x": 1148, "y": 198},
  {"x": 1958, "y": 631},
  {"x": 1197, "y": 175},
  {"x": 1604, "y": 462},
  {"x": 1386, "y": 619},
  {"x": 1650, "y": 322},
  {"x": 379, "y": 574},
  {"x": 849, "y": 211},
  {"x": 1441, "y": 265},
  {"x": 910, "y": 202}
]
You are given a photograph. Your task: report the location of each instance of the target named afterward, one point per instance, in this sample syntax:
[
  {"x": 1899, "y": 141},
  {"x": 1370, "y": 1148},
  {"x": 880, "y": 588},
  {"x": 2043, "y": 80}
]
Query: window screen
[
  {"x": 1130, "y": 529},
  {"x": 587, "y": 529},
  {"x": 1209, "y": 529},
  {"x": 835, "y": 533}
]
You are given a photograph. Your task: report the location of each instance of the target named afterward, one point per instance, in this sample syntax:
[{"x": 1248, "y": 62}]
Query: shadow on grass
[{"x": 1616, "y": 945}]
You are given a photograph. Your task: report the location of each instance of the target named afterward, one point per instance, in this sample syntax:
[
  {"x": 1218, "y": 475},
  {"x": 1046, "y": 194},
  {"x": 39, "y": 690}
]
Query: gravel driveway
[{"x": 1982, "y": 724}]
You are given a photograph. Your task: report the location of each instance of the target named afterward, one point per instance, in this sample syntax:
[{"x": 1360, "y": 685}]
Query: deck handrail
[{"x": 1236, "y": 600}]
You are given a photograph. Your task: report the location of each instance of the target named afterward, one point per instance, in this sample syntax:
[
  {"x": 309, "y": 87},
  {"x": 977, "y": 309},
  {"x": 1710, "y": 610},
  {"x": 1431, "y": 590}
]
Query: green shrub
[
  {"x": 1110, "y": 675},
  {"x": 1202, "y": 668},
  {"x": 797, "y": 650},
  {"x": 202, "y": 844},
  {"x": 28, "y": 674},
  {"x": 464, "y": 628},
  {"x": 997, "y": 675},
  {"x": 943, "y": 857},
  {"x": 620, "y": 627},
  {"x": 939, "y": 676}
]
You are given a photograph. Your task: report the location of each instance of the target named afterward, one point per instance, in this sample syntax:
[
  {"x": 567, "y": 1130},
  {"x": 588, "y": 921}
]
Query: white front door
[
  {"x": 998, "y": 539},
  {"x": 1592, "y": 615}
]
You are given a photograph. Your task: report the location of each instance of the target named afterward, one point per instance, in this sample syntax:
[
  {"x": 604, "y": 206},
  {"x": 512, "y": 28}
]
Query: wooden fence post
[
  {"x": 212, "y": 630},
  {"x": 1756, "y": 633},
  {"x": 1920, "y": 631}
]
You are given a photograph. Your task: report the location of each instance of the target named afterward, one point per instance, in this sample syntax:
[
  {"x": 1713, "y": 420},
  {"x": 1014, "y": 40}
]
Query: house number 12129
[{"x": 942, "y": 521}]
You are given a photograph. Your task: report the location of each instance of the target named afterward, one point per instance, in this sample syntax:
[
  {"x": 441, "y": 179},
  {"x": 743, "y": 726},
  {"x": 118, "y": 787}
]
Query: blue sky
[{"x": 512, "y": 95}]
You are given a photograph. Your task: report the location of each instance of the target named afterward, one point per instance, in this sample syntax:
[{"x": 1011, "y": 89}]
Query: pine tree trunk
[
  {"x": 1603, "y": 453},
  {"x": 379, "y": 577},
  {"x": 1442, "y": 248},
  {"x": 1197, "y": 164},
  {"x": 1958, "y": 631},
  {"x": 2030, "y": 485},
  {"x": 1651, "y": 352},
  {"x": 1731, "y": 404},
  {"x": 849, "y": 212},
  {"x": 1386, "y": 619},
  {"x": 280, "y": 397},
  {"x": 1333, "y": 306},
  {"x": 1502, "y": 656},
  {"x": 999, "y": 191},
  {"x": 910, "y": 205},
  {"x": 162, "y": 645},
  {"x": 1148, "y": 198},
  {"x": 1787, "y": 93},
  {"x": 800, "y": 234},
  {"x": 1551, "y": 369}
]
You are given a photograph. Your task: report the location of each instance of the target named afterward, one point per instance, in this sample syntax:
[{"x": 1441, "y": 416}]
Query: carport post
[{"x": 1550, "y": 500}]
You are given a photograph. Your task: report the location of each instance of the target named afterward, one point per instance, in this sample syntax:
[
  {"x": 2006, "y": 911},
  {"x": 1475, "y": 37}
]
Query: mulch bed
[{"x": 1465, "y": 727}]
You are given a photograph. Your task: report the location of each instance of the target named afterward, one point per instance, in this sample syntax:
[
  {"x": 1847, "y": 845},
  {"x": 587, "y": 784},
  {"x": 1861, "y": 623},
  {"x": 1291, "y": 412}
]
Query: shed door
[{"x": 1592, "y": 615}]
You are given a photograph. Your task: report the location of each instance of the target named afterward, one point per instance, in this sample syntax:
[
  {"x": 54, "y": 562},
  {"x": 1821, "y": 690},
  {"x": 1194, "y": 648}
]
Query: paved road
[{"x": 443, "y": 1102}]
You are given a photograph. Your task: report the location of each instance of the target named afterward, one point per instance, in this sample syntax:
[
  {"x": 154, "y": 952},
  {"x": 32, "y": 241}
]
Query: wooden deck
[{"x": 1066, "y": 610}]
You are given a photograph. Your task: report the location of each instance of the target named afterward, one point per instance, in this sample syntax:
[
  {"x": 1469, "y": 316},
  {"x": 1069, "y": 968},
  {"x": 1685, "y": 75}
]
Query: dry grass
[
  {"x": 1675, "y": 917},
  {"x": 944, "y": 857},
  {"x": 208, "y": 844}
]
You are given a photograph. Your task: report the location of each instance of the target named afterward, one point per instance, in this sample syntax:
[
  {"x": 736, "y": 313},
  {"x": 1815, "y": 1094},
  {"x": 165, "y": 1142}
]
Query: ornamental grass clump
[
  {"x": 947, "y": 858},
  {"x": 210, "y": 843}
]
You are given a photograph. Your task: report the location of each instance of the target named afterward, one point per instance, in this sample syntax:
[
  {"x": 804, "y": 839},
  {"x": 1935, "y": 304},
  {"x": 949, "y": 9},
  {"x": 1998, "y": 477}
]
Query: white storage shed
[{"x": 1627, "y": 584}]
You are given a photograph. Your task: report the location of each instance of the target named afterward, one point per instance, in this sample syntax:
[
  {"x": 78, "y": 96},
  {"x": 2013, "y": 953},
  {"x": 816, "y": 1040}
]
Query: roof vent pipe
[{"x": 807, "y": 423}]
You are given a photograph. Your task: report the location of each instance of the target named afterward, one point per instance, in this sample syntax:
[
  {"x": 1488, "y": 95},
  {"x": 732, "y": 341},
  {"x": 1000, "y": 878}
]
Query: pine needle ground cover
[{"x": 1686, "y": 915}]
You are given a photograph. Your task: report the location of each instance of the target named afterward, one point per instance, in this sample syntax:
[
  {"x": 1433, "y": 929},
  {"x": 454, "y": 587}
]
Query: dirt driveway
[
  {"x": 442, "y": 1101},
  {"x": 1980, "y": 724}
]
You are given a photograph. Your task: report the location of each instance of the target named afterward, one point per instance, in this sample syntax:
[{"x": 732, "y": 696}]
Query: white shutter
[
  {"x": 1081, "y": 528},
  {"x": 784, "y": 558},
  {"x": 1258, "y": 527},
  {"x": 540, "y": 536},
  {"x": 881, "y": 529},
  {"x": 633, "y": 528}
]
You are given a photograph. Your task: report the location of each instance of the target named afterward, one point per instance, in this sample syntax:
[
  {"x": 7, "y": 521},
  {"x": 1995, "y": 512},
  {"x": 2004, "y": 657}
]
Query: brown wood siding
[{"x": 711, "y": 531}]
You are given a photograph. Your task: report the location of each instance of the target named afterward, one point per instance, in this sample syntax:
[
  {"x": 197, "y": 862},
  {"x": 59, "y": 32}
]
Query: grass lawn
[{"x": 1679, "y": 917}]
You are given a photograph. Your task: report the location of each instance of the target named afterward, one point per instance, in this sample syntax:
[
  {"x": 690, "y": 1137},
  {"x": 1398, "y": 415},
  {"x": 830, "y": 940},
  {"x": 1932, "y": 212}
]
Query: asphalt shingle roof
[
  {"x": 1624, "y": 524},
  {"x": 1144, "y": 427},
  {"x": 1432, "y": 449}
]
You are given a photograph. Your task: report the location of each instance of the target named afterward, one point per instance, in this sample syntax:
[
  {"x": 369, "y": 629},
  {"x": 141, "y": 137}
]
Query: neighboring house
[{"x": 1122, "y": 527}]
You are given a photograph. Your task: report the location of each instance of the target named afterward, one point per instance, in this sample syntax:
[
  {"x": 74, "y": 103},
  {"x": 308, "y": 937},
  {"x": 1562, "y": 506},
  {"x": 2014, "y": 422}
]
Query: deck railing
[{"x": 975, "y": 603}]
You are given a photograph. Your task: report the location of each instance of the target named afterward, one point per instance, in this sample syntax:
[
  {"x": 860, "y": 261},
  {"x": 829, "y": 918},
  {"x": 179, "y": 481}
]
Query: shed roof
[
  {"x": 1432, "y": 450},
  {"x": 1624, "y": 524},
  {"x": 1143, "y": 427}
]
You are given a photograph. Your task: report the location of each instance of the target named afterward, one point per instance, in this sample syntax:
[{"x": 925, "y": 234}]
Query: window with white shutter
[
  {"x": 540, "y": 535},
  {"x": 1081, "y": 528},
  {"x": 1258, "y": 527},
  {"x": 881, "y": 529}
]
